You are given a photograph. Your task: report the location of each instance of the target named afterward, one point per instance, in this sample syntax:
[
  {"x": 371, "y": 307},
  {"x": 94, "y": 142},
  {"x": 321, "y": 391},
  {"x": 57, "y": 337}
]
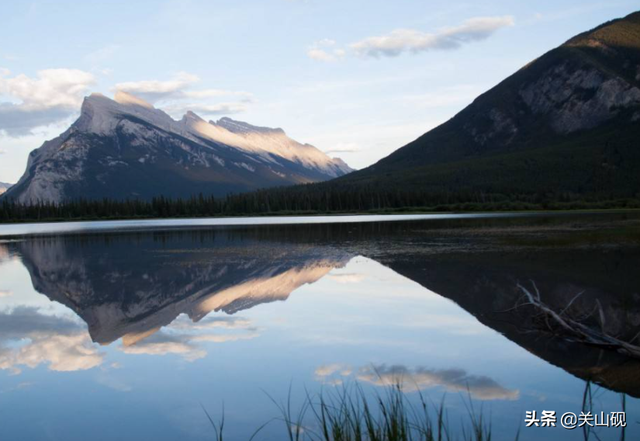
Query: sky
[{"x": 356, "y": 78}]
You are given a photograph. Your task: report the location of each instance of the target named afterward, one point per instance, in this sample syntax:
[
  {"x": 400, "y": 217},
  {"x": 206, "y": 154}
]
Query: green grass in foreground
[{"x": 350, "y": 415}]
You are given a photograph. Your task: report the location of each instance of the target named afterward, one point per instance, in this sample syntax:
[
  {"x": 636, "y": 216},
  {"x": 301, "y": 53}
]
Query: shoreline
[{"x": 15, "y": 230}]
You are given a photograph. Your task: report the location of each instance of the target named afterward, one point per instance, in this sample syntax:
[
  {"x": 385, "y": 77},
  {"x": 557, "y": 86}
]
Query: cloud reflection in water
[
  {"x": 479, "y": 387},
  {"x": 30, "y": 338}
]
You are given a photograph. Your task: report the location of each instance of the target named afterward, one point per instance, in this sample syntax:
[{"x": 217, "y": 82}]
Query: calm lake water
[{"x": 126, "y": 330}]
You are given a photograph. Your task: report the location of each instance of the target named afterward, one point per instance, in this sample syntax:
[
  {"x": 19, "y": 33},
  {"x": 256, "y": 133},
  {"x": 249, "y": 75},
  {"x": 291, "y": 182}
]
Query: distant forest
[{"x": 304, "y": 200}]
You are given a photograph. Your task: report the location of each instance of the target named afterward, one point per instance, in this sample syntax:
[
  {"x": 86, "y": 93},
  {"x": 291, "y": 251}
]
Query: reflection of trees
[{"x": 132, "y": 285}]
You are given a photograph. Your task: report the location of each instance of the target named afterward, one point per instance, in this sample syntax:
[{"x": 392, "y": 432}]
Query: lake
[{"x": 131, "y": 330}]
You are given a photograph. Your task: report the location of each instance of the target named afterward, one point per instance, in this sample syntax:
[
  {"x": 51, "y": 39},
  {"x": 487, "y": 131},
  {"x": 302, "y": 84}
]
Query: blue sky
[{"x": 357, "y": 79}]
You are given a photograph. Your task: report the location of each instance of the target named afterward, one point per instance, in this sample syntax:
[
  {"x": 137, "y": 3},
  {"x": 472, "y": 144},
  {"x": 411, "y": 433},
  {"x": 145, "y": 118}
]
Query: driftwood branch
[{"x": 576, "y": 329}]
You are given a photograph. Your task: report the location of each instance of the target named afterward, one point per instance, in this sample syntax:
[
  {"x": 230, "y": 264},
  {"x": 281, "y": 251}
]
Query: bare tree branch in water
[{"x": 562, "y": 323}]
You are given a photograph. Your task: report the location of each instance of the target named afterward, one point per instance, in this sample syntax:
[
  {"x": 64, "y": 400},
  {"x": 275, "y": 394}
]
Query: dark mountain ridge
[{"x": 568, "y": 122}]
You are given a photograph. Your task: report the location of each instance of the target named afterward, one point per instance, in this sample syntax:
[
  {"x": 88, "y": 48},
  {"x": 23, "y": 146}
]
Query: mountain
[
  {"x": 566, "y": 124},
  {"x": 4, "y": 187},
  {"x": 126, "y": 148}
]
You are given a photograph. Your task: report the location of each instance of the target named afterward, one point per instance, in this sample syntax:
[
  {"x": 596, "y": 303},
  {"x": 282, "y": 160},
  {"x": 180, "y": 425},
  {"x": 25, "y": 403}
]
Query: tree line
[{"x": 305, "y": 199}]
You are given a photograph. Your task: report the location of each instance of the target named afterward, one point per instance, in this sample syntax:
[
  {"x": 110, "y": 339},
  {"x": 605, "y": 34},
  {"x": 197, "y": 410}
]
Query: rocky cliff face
[
  {"x": 602, "y": 97},
  {"x": 125, "y": 148}
]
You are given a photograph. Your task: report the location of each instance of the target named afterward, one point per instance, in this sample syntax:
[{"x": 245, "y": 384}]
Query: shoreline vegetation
[
  {"x": 349, "y": 414},
  {"x": 275, "y": 203}
]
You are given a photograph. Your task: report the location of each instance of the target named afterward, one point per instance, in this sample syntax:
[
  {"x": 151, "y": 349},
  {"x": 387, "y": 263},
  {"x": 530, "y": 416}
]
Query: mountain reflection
[
  {"x": 130, "y": 289},
  {"x": 154, "y": 290}
]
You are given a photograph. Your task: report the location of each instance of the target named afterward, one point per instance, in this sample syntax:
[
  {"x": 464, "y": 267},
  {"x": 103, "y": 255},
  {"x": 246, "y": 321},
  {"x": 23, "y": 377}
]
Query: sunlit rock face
[
  {"x": 125, "y": 148},
  {"x": 4, "y": 187}
]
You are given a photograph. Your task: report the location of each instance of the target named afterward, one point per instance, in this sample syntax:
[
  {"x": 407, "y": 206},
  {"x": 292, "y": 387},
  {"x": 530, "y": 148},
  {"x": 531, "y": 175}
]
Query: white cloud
[
  {"x": 410, "y": 40},
  {"x": 5, "y": 293},
  {"x": 155, "y": 90},
  {"x": 177, "y": 95},
  {"x": 320, "y": 55},
  {"x": 323, "y": 50},
  {"x": 175, "y": 88},
  {"x": 50, "y": 97},
  {"x": 206, "y": 109},
  {"x": 163, "y": 344},
  {"x": 51, "y": 88}
]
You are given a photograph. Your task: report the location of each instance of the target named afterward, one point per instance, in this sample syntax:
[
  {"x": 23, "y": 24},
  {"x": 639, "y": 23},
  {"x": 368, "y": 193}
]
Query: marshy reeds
[{"x": 349, "y": 414}]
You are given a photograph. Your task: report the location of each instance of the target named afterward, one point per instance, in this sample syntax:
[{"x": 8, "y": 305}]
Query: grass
[{"x": 349, "y": 414}]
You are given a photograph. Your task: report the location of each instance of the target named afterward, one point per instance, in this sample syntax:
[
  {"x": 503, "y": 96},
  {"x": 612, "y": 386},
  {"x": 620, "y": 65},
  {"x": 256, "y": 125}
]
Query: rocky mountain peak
[
  {"x": 191, "y": 117},
  {"x": 126, "y": 148},
  {"x": 101, "y": 115}
]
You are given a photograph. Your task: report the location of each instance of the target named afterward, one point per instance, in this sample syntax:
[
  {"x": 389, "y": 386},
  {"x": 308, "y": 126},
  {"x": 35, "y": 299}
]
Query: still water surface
[{"x": 126, "y": 335}]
